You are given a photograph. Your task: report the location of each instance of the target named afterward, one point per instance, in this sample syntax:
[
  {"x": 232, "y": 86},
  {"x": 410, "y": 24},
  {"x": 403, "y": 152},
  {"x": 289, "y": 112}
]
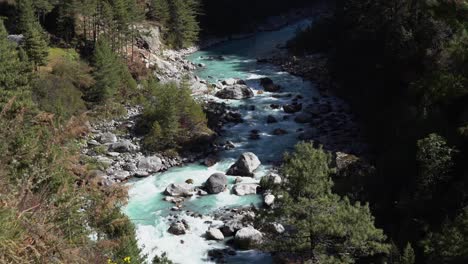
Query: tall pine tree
[
  {"x": 324, "y": 227},
  {"x": 15, "y": 92},
  {"x": 107, "y": 72}
]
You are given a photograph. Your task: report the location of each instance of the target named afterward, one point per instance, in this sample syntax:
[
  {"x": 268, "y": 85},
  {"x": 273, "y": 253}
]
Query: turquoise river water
[{"x": 146, "y": 208}]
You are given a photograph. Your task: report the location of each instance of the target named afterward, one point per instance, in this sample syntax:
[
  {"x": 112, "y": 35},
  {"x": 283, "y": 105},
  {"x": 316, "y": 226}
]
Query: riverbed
[{"x": 233, "y": 59}]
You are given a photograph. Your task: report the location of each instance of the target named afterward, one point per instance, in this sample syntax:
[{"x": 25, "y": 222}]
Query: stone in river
[{"x": 245, "y": 165}]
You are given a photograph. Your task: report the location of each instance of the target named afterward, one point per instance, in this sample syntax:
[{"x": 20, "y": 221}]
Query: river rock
[
  {"x": 265, "y": 81},
  {"x": 242, "y": 189},
  {"x": 273, "y": 179},
  {"x": 150, "y": 164},
  {"x": 141, "y": 174},
  {"x": 107, "y": 138},
  {"x": 210, "y": 160},
  {"x": 272, "y": 88},
  {"x": 121, "y": 175},
  {"x": 292, "y": 108},
  {"x": 274, "y": 228},
  {"x": 179, "y": 190},
  {"x": 247, "y": 238},
  {"x": 279, "y": 132},
  {"x": 123, "y": 146},
  {"x": 216, "y": 183},
  {"x": 271, "y": 119},
  {"x": 214, "y": 234},
  {"x": 254, "y": 135},
  {"x": 236, "y": 92},
  {"x": 177, "y": 228},
  {"x": 269, "y": 199},
  {"x": 231, "y": 227},
  {"x": 245, "y": 165},
  {"x": 232, "y": 81}
]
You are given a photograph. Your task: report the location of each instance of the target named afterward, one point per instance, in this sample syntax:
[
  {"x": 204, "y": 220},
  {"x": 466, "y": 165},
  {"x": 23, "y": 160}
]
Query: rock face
[
  {"x": 216, "y": 183},
  {"x": 179, "y": 190},
  {"x": 177, "y": 228},
  {"x": 214, "y": 234},
  {"x": 242, "y": 189},
  {"x": 248, "y": 237},
  {"x": 247, "y": 163},
  {"x": 150, "y": 164},
  {"x": 123, "y": 146},
  {"x": 236, "y": 92}
]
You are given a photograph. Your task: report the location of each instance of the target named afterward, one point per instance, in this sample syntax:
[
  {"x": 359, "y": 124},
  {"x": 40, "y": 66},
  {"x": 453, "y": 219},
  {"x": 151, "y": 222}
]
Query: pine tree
[
  {"x": 182, "y": 27},
  {"x": 107, "y": 72},
  {"x": 408, "y": 256},
  {"x": 26, "y": 16},
  {"x": 326, "y": 228},
  {"x": 35, "y": 45},
  {"x": 160, "y": 11},
  {"x": 14, "y": 76}
]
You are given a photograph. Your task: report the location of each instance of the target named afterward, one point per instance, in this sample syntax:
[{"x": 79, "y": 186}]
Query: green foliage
[
  {"x": 14, "y": 77},
  {"x": 408, "y": 256},
  {"x": 171, "y": 116},
  {"x": 326, "y": 228},
  {"x": 435, "y": 160},
  {"x": 179, "y": 21},
  {"x": 450, "y": 244},
  {"x": 106, "y": 74}
]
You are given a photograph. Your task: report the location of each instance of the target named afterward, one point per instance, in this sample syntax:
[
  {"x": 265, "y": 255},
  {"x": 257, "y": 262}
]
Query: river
[{"x": 146, "y": 208}]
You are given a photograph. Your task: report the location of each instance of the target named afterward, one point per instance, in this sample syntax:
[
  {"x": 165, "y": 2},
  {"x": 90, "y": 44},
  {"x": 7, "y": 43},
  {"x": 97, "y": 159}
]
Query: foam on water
[{"x": 147, "y": 209}]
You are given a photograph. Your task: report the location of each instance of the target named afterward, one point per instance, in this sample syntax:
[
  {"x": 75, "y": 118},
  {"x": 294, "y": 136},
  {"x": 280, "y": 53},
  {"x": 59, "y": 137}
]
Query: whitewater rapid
[{"x": 146, "y": 208}]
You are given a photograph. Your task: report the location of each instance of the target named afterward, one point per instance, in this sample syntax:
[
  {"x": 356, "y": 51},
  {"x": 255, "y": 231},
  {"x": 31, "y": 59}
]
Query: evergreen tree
[
  {"x": 408, "y": 256},
  {"x": 36, "y": 45},
  {"x": 107, "y": 72},
  {"x": 182, "y": 28},
  {"x": 26, "y": 16},
  {"x": 325, "y": 227},
  {"x": 14, "y": 76},
  {"x": 160, "y": 10},
  {"x": 435, "y": 162},
  {"x": 450, "y": 244}
]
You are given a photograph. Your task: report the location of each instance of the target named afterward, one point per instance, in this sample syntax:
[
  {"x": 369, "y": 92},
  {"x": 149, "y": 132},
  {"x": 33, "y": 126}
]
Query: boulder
[
  {"x": 245, "y": 165},
  {"x": 214, "y": 234},
  {"x": 232, "y": 81},
  {"x": 210, "y": 160},
  {"x": 216, "y": 183},
  {"x": 141, "y": 174},
  {"x": 272, "y": 88},
  {"x": 236, "y": 92},
  {"x": 121, "y": 175},
  {"x": 254, "y": 135},
  {"x": 271, "y": 119},
  {"x": 150, "y": 164},
  {"x": 123, "y": 146},
  {"x": 273, "y": 179},
  {"x": 265, "y": 81},
  {"x": 242, "y": 189},
  {"x": 292, "y": 108},
  {"x": 177, "y": 228},
  {"x": 107, "y": 138},
  {"x": 279, "y": 132},
  {"x": 269, "y": 199},
  {"x": 231, "y": 227},
  {"x": 247, "y": 238},
  {"x": 303, "y": 118},
  {"x": 179, "y": 190},
  {"x": 274, "y": 228}
]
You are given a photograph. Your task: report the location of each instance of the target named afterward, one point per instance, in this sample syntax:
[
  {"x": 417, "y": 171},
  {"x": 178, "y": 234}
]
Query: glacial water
[{"x": 146, "y": 208}]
